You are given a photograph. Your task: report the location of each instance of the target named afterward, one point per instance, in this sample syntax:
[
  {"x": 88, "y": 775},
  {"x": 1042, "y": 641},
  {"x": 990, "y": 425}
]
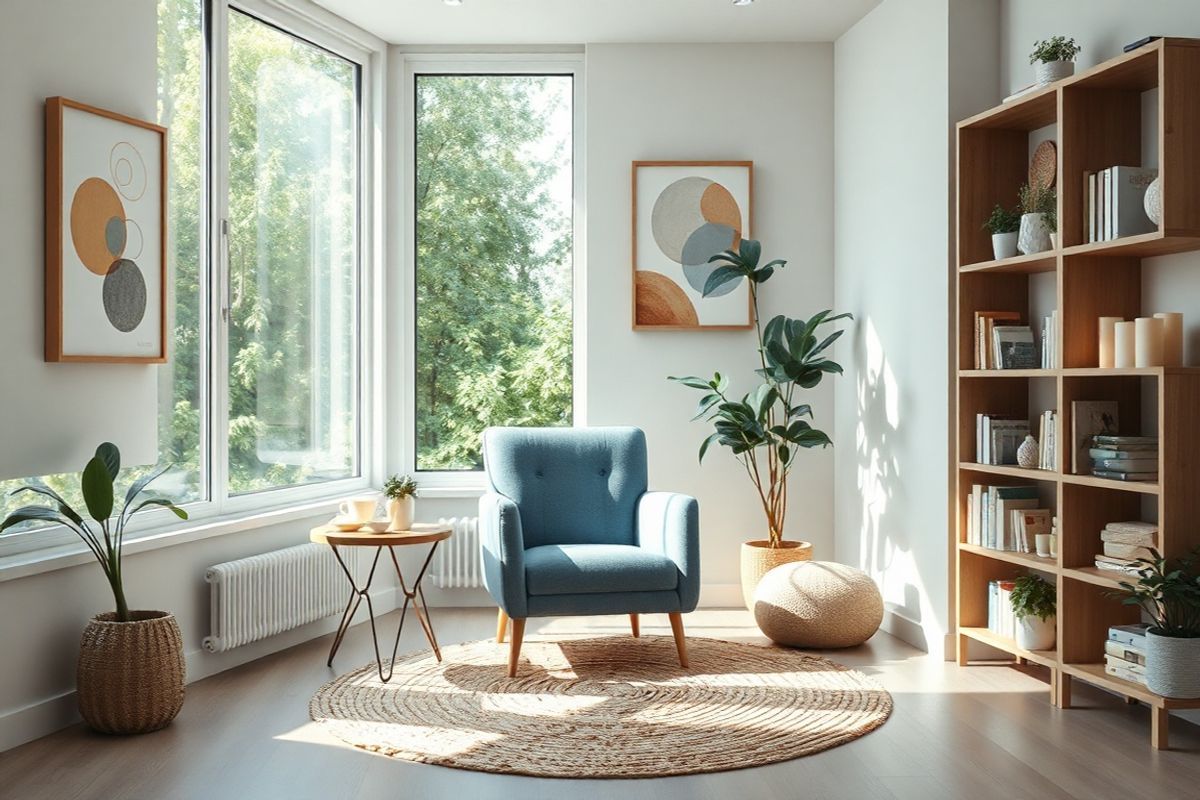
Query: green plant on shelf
[
  {"x": 1056, "y": 48},
  {"x": 1002, "y": 220},
  {"x": 1169, "y": 593},
  {"x": 1032, "y": 596},
  {"x": 1037, "y": 199}
]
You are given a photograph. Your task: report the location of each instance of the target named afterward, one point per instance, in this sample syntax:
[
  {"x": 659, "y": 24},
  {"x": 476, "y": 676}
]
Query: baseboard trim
[
  {"x": 59, "y": 711},
  {"x": 906, "y": 630}
]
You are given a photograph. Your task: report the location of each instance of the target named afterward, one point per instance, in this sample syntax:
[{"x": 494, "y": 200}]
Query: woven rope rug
[{"x": 614, "y": 707}]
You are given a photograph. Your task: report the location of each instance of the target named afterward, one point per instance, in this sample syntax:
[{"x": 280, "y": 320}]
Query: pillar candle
[
  {"x": 1149, "y": 337},
  {"x": 1108, "y": 341},
  {"x": 1172, "y": 338},
  {"x": 1123, "y": 336}
]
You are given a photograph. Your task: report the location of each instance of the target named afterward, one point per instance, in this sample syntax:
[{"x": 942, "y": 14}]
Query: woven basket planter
[
  {"x": 759, "y": 558},
  {"x": 131, "y": 674},
  {"x": 1173, "y": 666}
]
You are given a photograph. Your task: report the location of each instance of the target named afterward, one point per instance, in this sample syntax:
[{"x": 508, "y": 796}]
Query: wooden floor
[{"x": 981, "y": 732}]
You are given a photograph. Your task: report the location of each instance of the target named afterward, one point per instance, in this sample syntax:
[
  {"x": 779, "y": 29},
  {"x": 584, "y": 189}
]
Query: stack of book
[
  {"x": 1048, "y": 440},
  {"x": 1125, "y": 652},
  {"x": 1125, "y": 458},
  {"x": 1114, "y": 203},
  {"x": 1001, "y": 342},
  {"x": 1001, "y": 619},
  {"x": 998, "y": 437},
  {"x": 1050, "y": 341},
  {"x": 1124, "y": 543},
  {"x": 1005, "y": 517}
]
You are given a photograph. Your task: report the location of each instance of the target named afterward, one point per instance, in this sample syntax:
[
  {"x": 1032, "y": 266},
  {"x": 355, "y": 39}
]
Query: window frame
[
  {"x": 217, "y": 505},
  {"x": 471, "y": 483}
]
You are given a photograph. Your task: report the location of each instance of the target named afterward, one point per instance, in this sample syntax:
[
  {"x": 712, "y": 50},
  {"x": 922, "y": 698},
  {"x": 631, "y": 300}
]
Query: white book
[
  {"x": 977, "y": 512},
  {"x": 1090, "y": 207}
]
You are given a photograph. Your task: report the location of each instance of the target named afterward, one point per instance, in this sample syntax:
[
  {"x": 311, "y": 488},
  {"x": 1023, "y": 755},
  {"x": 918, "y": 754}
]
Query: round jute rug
[{"x": 614, "y": 707}]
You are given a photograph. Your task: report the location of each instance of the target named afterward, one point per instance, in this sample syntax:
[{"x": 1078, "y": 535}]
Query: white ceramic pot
[
  {"x": 1034, "y": 633},
  {"x": 1004, "y": 245},
  {"x": 1048, "y": 72},
  {"x": 1172, "y": 666},
  {"x": 400, "y": 513},
  {"x": 1153, "y": 201},
  {"x": 1054, "y": 241},
  {"x": 1034, "y": 236}
]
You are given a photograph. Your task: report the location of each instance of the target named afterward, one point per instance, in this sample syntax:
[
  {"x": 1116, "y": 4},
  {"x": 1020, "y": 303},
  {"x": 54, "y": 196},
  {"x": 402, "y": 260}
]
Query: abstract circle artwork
[
  {"x": 97, "y": 225},
  {"x": 124, "y": 295},
  {"x": 128, "y": 170}
]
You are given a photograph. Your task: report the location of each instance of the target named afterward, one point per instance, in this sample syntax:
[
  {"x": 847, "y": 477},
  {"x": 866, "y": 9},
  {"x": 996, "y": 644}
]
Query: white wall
[
  {"x": 898, "y": 85},
  {"x": 768, "y": 103}
]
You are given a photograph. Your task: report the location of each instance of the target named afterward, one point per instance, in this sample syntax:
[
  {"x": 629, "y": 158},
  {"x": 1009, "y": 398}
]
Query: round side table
[{"x": 420, "y": 534}]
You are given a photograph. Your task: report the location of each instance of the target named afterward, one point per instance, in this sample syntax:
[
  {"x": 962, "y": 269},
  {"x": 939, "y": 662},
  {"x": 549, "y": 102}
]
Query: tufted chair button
[{"x": 603, "y": 472}]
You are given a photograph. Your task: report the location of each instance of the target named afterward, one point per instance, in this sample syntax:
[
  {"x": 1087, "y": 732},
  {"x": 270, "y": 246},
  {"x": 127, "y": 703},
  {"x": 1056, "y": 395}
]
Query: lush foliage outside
[{"x": 494, "y": 236}]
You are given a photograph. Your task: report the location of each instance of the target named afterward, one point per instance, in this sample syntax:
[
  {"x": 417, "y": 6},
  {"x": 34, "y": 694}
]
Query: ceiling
[{"x": 493, "y": 22}]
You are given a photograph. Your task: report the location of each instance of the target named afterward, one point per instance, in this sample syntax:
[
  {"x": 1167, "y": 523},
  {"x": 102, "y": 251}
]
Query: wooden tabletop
[{"x": 421, "y": 533}]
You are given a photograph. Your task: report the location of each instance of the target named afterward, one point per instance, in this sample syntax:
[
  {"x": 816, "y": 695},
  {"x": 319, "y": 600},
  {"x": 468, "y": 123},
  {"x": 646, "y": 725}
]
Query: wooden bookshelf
[{"x": 1098, "y": 117}]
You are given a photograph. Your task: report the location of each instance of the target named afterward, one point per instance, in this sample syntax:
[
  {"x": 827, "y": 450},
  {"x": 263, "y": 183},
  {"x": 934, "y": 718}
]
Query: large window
[
  {"x": 494, "y": 256},
  {"x": 261, "y": 391}
]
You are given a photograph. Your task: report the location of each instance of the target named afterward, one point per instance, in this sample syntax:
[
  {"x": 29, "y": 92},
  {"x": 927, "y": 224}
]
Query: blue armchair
[{"x": 567, "y": 527}]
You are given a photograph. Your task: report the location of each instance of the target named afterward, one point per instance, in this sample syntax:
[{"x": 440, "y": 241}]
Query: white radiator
[
  {"x": 457, "y": 565},
  {"x": 260, "y": 596}
]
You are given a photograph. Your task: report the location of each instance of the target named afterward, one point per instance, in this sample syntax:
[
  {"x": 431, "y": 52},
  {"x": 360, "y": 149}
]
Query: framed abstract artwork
[
  {"x": 685, "y": 212},
  {"x": 106, "y": 236}
]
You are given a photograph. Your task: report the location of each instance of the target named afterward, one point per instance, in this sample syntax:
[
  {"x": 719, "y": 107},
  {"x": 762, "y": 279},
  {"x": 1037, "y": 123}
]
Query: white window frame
[
  {"x": 218, "y": 512},
  {"x": 463, "y": 483}
]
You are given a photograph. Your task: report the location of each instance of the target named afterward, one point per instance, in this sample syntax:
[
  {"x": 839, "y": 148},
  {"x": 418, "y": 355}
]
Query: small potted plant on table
[
  {"x": 130, "y": 675},
  {"x": 400, "y": 492},
  {"x": 1003, "y": 225},
  {"x": 1054, "y": 59},
  {"x": 1034, "y": 603},
  {"x": 1170, "y": 595}
]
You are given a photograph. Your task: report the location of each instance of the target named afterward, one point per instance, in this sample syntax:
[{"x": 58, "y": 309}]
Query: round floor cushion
[{"x": 818, "y": 604}]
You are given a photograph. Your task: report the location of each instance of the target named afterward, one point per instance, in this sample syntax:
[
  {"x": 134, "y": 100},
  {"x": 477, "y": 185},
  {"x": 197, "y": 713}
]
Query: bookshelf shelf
[{"x": 1097, "y": 118}]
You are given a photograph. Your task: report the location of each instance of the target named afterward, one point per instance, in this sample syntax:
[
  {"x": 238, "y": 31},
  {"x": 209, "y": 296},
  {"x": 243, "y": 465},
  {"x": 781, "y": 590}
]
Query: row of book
[
  {"x": 1125, "y": 652},
  {"x": 1125, "y": 458},
  {"x": 997, "y": 438},
  {"x": 1001, "y": 619},
  {"x": 1114, "y": 202},
  {"x": 1049, "y": 358},
  {"x": 1001, "y": 342},
  {"x": 1006, "y": 518},
  {"x": 1123, "y": 543},
  {"x": 1048, "y": 440}
]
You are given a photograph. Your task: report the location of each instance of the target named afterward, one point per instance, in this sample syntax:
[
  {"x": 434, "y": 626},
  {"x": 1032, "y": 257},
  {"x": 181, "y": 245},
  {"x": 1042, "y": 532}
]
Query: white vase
[
  {"x": 1048, "y": 72},
  {"x": 1034, "y": 633},
  {"x": 1153, "y": 201},
  {"x": 1172, "y": 666},
  {"x": 1053, "y": 241},
  {"x": 1004, "y": 245},
  {"x": 1034, "y": 236},
  {"x": 400, "y": 513},
  {"x": 1028, "y": 454}
]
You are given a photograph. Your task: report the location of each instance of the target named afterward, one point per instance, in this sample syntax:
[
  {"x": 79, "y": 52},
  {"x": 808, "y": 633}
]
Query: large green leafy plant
[
  {"x": 1169, "y": 594},
  {"x": 766, "y": 429},
  {"x": 99, "y": 496}
]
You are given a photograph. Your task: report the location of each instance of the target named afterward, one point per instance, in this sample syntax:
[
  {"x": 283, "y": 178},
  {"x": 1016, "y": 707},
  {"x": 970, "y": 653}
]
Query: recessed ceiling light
[
  {"x": 456, "y": 2},
  {"x": 737, "y": 2}
]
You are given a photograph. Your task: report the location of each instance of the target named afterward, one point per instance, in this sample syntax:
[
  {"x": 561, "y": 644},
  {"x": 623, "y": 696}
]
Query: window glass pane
[
  {"x": 493, "y": 259},
  {"x": 180, "y": 108},
  {"x": 293, "y": 330}
]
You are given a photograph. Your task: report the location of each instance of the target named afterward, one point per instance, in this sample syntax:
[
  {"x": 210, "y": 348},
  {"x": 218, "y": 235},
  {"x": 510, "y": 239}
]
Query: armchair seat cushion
[{"x": 555, "y": 569}]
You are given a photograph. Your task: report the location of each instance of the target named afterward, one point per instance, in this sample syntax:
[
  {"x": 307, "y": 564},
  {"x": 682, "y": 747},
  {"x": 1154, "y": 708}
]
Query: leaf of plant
[
  {"x": 727, "y": 256},
  {"x": 111, "y": 456},
  {"x": 707, "y": 441},
  {"x": 98, "y": 489},
  {"x": 28, "y": 513},
  {"x": 762, "y": 274},
  {"x": 142, "y": 483},
  {"x": 159, "y": 501},
  {"x": 750, "y": 251},
  {"x": 719, "y": 277},
  {"x": 46, "y": 491}
]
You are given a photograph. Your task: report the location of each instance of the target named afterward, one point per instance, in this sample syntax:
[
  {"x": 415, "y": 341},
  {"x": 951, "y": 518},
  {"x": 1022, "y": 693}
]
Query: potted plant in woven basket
[
  {"x": 1170, "y": 595},
  {"x": 766, "y": 429},
  {"x": 131, "y": 671}
]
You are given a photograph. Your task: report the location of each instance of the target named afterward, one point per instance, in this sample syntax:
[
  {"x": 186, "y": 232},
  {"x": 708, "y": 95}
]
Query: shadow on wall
[{"x": 885, "y": 548}]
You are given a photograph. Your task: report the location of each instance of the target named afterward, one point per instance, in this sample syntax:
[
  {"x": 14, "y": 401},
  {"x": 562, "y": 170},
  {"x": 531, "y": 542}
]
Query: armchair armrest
[
  {"x": 503, "y": 553},
  {"x": 669, "y": 523}
]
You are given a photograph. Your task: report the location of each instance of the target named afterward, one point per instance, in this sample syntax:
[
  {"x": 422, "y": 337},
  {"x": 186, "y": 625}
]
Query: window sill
[{"x": 50, "y": 559}]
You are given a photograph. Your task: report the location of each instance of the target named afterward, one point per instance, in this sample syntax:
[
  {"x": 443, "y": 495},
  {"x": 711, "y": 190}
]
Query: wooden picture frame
[
  {"x": 688, "y": 208},
  {"x": 106, "y": 236}
]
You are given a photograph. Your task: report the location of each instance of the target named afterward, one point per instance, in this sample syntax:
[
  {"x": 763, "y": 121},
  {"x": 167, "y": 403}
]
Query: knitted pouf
[{"x": 818, "y": 604}]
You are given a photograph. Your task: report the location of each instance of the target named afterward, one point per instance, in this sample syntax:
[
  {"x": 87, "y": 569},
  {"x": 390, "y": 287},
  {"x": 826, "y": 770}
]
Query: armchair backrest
[{"x": 571, "y": 485}]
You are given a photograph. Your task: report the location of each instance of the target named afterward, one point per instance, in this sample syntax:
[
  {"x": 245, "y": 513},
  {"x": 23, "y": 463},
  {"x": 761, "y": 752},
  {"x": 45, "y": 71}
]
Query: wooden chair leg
[
  {"x": 633, "y": 623},
  {"x": 680, "y": 640},
  {"x": 501, "y": 625},
  {"x": 514, "y": 646}
]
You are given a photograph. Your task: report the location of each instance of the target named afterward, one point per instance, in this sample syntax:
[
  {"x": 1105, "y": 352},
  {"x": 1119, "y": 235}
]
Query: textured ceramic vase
[
  {"x": 130, "y": 676},
  {"x": 759, "y": 558},
  {"x": 1034, "y": 633},
  {"x": 1153, "y": 201},
  {"x": 1172, "y": 666},
  {"x": 1027, "y": 453},
  {"x": 1048, "y": 72},
  {"x": 1004, "y": 245},
  {"x": 400, "y": 513},
  {"x": 1034, "y": 236}
]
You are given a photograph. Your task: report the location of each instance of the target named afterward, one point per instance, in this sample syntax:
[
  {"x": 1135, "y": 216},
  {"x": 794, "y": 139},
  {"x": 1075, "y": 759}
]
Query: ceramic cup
[
  {"x": 359, "y": 509},
  {"x": 1042, "y": 542}
]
